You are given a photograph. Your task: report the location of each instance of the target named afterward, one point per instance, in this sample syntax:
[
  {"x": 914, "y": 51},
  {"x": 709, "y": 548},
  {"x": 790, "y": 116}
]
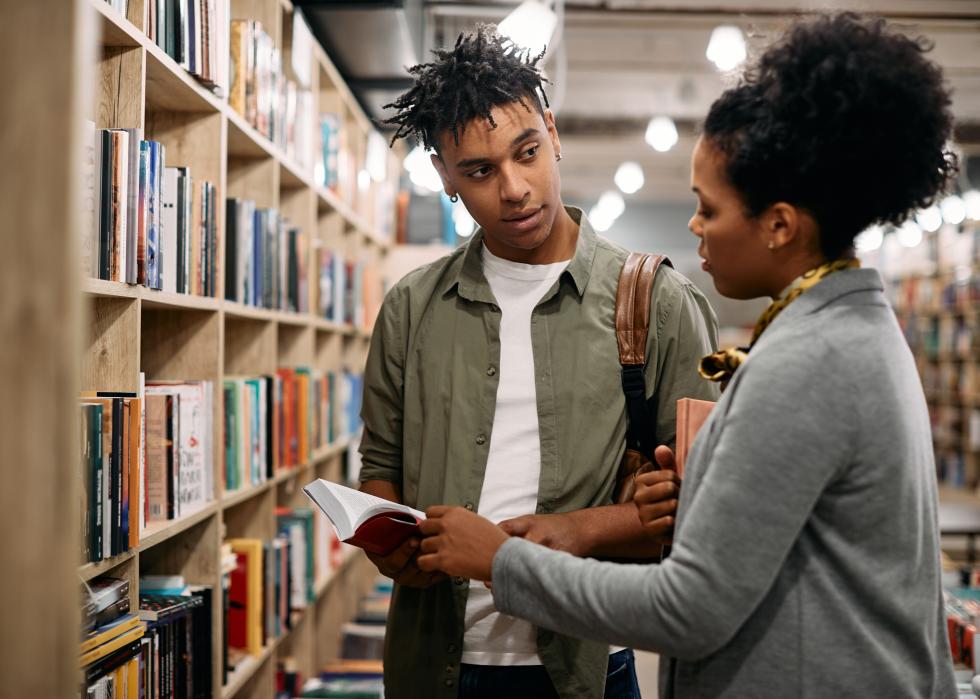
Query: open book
[
  {"x": 372, "y": 523},
  {"x": 691, "y": 414}
]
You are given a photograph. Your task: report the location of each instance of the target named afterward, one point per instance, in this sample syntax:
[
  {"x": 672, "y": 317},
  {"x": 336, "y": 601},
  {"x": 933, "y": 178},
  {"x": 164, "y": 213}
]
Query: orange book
[{"x": 691, "y": 414}]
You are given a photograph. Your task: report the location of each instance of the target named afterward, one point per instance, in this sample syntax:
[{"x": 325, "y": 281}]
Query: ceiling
[{"x": 617, "y": 63}]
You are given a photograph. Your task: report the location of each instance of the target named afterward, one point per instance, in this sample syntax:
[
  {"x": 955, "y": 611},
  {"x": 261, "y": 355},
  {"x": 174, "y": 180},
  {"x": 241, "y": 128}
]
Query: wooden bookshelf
[
  {"x": 935, "y": 289},
  {"x": 132, "y": 329}
]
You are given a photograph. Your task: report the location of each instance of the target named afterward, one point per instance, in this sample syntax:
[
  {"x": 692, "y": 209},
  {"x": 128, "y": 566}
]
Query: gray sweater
[{"x": 806, "y": 555}]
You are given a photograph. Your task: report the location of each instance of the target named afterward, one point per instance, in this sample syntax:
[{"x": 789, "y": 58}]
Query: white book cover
[
  {"x": 132, "y": 202},
  {"x": 193, "y": 447},
  {"x": 91, "y": 199},
  {"x": 297, "y": 562},
  {"x": 168, "y": 231},
  {"x": 347, "y": 509}
]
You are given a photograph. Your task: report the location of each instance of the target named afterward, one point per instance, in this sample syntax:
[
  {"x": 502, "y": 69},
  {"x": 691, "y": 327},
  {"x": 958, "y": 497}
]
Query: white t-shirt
[{"x": 510, "y": 485}]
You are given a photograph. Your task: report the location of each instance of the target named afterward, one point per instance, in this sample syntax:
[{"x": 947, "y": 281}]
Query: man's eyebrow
[{"x": 521, "y": 137}]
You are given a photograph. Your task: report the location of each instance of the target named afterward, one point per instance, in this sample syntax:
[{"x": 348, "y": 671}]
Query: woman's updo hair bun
[{"x": 843, "y": 117}]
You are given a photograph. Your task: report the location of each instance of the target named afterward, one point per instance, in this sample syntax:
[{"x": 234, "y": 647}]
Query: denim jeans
[{"x": 532, "y": 681}]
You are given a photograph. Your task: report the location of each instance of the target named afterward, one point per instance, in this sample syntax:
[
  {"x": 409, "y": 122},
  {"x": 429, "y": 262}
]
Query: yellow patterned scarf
[{"x": 721, "y": 365}]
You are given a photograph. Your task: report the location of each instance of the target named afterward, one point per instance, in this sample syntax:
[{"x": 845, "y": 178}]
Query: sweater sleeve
[{"x": 783, "y": 439}]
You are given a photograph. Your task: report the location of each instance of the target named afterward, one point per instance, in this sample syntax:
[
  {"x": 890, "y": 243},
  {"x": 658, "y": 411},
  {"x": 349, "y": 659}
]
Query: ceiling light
[
  {"x": 661, "y": 133},
  {"x": 726, "y": 48},
  {"x": 530, "y": 26},
  {"x": 930, "y": 219},
  {"x": 972, "y": 201},
  {"x": 870, "y": 240},
  {"x": 629, "y": 177},
  {"x": 909, "y": 235},
  {"x": 611, "y": 204},
  {"x": 953, "y": 209},
  {"x": 600, "y": 220}
]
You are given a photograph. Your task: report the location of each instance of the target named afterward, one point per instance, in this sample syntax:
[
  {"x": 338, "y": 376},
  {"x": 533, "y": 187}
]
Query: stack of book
[
  {"x": 275, "y": 106},
  {"x": 112, "y": 467},
  {"x": 178, "y": 476},
  {"x": 109, "y": 652},
  {"x": 195, "y": 34},
  {"x": 340, "y": 291},
  {"x": 265, "y": 259},
  {"x": 176, "y": 649},
  {"x": 276, "y": 421},
  {"x": 295, "y": 526},
  {"x": 150, "y": 224}
]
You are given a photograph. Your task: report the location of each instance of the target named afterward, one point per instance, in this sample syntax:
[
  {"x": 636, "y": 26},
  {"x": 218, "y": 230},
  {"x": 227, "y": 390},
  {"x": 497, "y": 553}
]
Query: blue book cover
[{"x": 153, "y": 206}]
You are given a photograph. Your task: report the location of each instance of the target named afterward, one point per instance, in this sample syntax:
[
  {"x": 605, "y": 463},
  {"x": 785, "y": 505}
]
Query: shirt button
[
  {"x": 491, "y": 371},
  {"x": 449, "y": 669},
  {"x": 459, "y": 581},
  {"x": 449, "y": 683},
  {"x": 469, "y": 506},
  {"x": 451, "y": 648},
  {"x": 481, "y": 439}
]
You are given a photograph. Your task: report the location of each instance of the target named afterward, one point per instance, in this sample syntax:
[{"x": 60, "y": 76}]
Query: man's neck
[{"x": 559, "y": 246}]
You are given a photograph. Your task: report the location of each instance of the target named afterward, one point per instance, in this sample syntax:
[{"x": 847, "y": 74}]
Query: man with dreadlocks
[{"x": 493, "y": 382}]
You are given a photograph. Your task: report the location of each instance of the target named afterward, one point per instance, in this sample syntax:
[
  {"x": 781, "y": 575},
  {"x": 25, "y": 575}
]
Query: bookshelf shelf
[
  {"x": 104, "y": 289},
  {"x": 94, "y": 570},
  {"x": 115, "y": 29},
  {"x": 231, "y": 498},
  {"x": 246, "y": 669},
  {"x": 136, "y": 333},
  {"x": 158, "y": 532}
]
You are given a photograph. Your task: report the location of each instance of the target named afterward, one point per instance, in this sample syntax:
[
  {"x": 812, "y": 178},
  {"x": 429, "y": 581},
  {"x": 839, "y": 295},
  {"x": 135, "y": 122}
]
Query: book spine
[
  {"x": 95, "y": 474},
  {"x": 142, "y": 216}
]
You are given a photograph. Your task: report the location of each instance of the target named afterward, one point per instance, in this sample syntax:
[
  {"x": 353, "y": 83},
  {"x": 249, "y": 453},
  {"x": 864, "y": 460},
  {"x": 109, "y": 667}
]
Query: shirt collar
[{"x": 471, "y": 284}]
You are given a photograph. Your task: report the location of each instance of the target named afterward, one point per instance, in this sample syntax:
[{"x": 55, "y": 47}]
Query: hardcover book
[
  {"x": 371, "y": 523},
  {"x": 691, "y": 414}
]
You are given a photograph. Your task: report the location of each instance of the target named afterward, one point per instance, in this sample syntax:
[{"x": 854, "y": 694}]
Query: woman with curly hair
[{"x": 805, "y": 556}]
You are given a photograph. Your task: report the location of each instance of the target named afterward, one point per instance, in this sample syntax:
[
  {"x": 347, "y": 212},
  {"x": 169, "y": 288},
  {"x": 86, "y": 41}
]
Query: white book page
[{"x": 348, "y": 508}]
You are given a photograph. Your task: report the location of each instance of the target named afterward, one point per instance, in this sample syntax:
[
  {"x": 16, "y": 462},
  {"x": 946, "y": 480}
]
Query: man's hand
[
  {"x": 656, "y": 496},
  {"x": 459, "y": 542},
  {"x": 401, "y": 565},
  {"x": 556, "y": 531}
]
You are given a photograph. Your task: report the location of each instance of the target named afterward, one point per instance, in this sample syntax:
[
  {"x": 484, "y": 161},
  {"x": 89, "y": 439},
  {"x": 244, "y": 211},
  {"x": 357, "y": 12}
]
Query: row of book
[
  {"x": 150, "y": 224},
  {"x": 266, "y": 259},
  {"x": 273, "y": 104},
  {"x": 949, "y": 293},
  {"x": 162, "y": 649},
  {"x": 348, "y": 292},
  {"x": 195, "y": 34},
  {"x": 278, "y": 421},
  {"x": 269, "y": 581},
  {"x": 146, "y": 457}
]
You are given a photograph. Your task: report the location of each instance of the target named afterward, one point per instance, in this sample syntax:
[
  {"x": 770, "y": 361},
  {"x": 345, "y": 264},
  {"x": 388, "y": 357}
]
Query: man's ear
[
  {"x": 443, "y": 175},
  {"x": 549, "y": 123}
]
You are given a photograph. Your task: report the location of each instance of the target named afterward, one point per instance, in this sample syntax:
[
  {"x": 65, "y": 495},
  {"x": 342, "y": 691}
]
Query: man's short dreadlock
[{"x": 483, "y": 71}]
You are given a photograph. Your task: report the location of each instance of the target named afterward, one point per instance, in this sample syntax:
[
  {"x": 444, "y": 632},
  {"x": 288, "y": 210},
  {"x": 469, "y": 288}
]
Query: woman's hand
[
  {"x": 656, "y": 496},
  {"x": 459, "y": 543}
]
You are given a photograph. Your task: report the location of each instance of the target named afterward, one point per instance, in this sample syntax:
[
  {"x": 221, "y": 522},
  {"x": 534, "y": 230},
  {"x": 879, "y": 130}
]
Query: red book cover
[
  {"x": 384, "y": 532},
  {"x": 238, "y": 603},
  {"x": 691, "y": 414}
]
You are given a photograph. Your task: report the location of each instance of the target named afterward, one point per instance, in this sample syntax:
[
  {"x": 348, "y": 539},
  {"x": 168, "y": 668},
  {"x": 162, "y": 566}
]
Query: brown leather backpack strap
[
  {"x": 633, "y": 305},
  {"x": 632, "y": 330}
]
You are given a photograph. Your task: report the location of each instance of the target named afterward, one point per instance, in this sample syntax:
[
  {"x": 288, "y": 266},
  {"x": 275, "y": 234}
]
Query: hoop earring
[
  {"x": 558, "y": 157},
  {"x": 454, "y": 198}
]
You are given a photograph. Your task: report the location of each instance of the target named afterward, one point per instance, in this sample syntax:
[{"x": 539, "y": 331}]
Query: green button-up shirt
[{"x": 430, "y": 393}]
